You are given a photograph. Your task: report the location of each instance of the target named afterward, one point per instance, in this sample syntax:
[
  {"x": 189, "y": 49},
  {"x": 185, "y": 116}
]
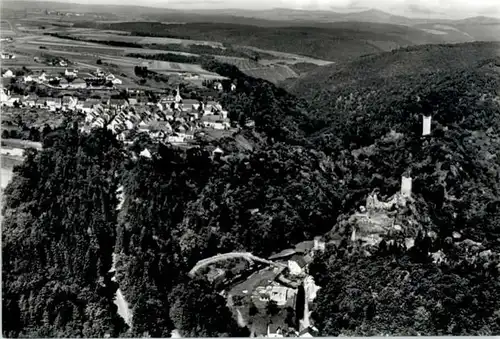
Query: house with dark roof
[
  {"x": 286, "y": 253},
  {"x": 297, "y": 263},
  {"x": 305, "y": 246},
  {"x": 118, "y": 103}
]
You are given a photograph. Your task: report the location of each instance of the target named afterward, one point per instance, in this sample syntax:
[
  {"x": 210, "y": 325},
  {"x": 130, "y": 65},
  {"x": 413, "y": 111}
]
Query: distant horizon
[{"x": 458, "y": 9}]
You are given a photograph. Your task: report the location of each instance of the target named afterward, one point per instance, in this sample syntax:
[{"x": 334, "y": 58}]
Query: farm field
[
  {"x": 85, "y": 54},
  {"x": 268, "y": 71},
  {"x": 6, "y": 29},
  {"x": 157, "y": 66},
  {"x": 291, "y": 58},
  {"x": 113, "y": 36},
  {"x": 88, "y": 47},
  {"x": 274, "y": 73}
]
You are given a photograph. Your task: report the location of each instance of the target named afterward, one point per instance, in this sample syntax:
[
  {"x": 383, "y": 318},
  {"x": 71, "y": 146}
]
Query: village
[{"x": 167, "y": 118}]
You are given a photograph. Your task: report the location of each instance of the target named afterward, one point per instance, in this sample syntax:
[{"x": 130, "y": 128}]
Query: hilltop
[{"x": 403, "y": 63}]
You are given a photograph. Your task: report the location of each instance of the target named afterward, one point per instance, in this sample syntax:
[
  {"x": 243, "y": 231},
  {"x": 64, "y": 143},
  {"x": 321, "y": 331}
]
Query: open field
[
  {"x": 292, "y": 58},
  {"x": 88, "y": 47},
  {"x": 6, "y": 30},
  {"x": 270, "y": 71},
  {"x": 85, "y": 54},
  {"x": 157, "y": 66},
  {"x": 113, "y": 36}
]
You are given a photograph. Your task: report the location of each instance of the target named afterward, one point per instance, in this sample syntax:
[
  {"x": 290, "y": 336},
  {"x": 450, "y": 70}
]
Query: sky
[{"x": 413, "y": 8}]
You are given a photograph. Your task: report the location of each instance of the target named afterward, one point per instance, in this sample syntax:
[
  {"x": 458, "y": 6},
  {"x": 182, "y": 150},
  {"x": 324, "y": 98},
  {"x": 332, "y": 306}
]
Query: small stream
[{"x": 120, "y": 302}]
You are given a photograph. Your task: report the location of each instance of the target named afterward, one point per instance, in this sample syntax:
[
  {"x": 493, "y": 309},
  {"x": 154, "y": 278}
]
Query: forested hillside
[
  {"x": 58, "y": 234},
  {"x": 302, "y": 171},
  {"x": 404, "y": 64}
]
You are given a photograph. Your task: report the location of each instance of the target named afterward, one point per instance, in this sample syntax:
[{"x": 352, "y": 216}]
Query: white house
[
  {"x": 12, "y": 100},
  {"x": 175, "y": 139},
  {"x": 185, "y": 136},
  {"x": 319, "y": 244},
  {"x": 129, "y": 124},
  {"x": 8, "y": 56},
  {"x": 145, "y": 153},
  {"x": 296, "y": 265},
  {"x": 143, "y": 126},
  {"x": 4, "y": 97},
  {"x": 217, "y": 152},
  {"x": 8, "y": 74},
  {"x": 215, "y": 122},
  {"x": 70, "y": 74},
  {"x": 42, "y": 77},
  {"x": 19, "y": 152},
  {"x": 28, "y": 78}
]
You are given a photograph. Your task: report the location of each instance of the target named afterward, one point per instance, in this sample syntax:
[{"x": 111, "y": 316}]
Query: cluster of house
[
  {"x": 171, "y": 120},
  {"x": 69, "y": 80},
  {"x": 100, "y": 76},
  {"x": 280, "y": 285},
  {"x": 283, "y": 289},
  {"x": 34, "y": 101}
]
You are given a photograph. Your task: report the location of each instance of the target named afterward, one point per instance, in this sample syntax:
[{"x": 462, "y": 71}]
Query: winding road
[{"x": 232, "y": 255}]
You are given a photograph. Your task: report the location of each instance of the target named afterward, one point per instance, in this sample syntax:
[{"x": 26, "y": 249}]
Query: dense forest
[
  {"x": 308, "y": 164},
  {"x": 58, "y": 234}
]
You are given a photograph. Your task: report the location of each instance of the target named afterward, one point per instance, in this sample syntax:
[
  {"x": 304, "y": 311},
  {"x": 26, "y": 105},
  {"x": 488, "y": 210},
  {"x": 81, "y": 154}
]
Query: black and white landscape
[{"x": 215, "y": 171}]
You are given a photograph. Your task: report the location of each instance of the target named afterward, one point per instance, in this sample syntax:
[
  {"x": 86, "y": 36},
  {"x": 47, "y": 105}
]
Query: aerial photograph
[{"x": 262, "y": 168}]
